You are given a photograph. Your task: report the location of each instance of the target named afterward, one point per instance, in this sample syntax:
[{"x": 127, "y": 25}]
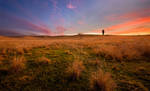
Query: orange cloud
[
  {"x": 138, "y": 21},
  {"x": 60, "y": 30},
  {"x": 80, "y": 22},
  {"x": 133, "y": 19},
  {"x": 129, "y": 15},
  {"x": 138, "y": 30},
  {"x": 96, "y": 31},
  {"x": 128, "y": 27}
]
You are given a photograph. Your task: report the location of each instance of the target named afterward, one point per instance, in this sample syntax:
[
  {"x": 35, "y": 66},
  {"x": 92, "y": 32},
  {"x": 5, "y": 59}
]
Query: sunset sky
[{"x": 60, "y": 17}]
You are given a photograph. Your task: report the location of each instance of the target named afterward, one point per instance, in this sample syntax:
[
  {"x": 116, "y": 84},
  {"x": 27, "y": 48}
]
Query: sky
[{"x": 67, "y": 17}]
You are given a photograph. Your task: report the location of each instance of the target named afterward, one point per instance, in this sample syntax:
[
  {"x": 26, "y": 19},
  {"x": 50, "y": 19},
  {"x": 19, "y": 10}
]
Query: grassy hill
[{"x": 75, "y": 63}]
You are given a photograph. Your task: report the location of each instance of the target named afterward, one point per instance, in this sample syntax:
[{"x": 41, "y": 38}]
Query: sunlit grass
[
  {"x": 75, "y": 64},
  {"x": 75, "y": 70},
  {"x": 17, "y": 64},
  {"x": 101, "y": 81}
]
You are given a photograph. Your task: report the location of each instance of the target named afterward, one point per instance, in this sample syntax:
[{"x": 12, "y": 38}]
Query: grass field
[{"x": 77, "y": 63}]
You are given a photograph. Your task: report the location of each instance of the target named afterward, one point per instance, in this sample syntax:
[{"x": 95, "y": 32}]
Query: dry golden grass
[
  {"x": 20, "y": 51},
  {"x": 101, "y": 81},
  {"x": 134, "y": 84},
  {"x": 109, "y": 50},
  {"x": 25, "y": 78},
  {"x": 1, "y": 59},
  {"x": 111, "y": 47},
  {"x": 75, "y": 70},
  {"x": 44, "y": 60},
  {"x": 17, "y": 64},
  {"x": 122, "y": 52},
  {"x": 95, "y": 62}
]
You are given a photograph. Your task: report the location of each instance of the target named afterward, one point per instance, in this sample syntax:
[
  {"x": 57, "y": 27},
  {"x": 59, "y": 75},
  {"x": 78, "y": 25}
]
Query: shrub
[
  {"x": 101, "y": 81},
  {"x": 118, "y": 52},
  {"x": 108, "y": 52},
  {"x": 95, "y": 62},
  {"x": 143, "y": 49},
  {"x": 25, "y": 78},
  {"x": 3, "y": 51},
  {"x": 44, "y": 60},
  {"x": 1, "y": 59},
  {"x": 17, "y": 64},
  {"x": 3, "y": 71},
  {"x": 75, "y": 70},
  {"x": 19, "y": 51},
  {"x": 26, "y": 49}
]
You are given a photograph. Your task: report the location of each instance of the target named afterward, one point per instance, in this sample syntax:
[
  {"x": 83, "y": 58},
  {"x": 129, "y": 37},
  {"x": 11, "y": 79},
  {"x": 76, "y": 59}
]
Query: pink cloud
[
  {"x": 70, "y": 6},
  {"x": 137, "y": 21},
  {"x": 128, "y": 27},
  {"x": 60, "y": 30},
  {"x": 129, "y": 15},
  {"x": 80, "y": 22},
  {"x": 26, "y": 25}
]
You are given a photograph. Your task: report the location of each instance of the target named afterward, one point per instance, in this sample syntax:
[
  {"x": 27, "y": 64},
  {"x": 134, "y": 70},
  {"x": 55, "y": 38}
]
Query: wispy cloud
[
  {"x": 81, "y": 22},
  {"x": 70, "y": 6},
  {"x": 24, "y": 24},
  {"x": 135, "y": 31},
  {"x": 138, "y": 21},
  {"x": 73, "y": 16},
  {"x": 128, "y": 15},
  {"x": 129, "y": 26}
]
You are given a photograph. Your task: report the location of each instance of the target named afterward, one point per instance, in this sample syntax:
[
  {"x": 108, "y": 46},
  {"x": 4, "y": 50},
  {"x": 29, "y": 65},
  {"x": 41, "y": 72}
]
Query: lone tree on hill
[{"x": 103, "y": 32}]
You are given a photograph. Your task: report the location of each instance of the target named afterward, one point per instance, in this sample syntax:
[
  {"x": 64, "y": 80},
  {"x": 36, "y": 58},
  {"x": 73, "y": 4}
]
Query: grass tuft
[
  {"x": 75, "y": 70},
  {"x": 44, "y": 60},
  {"x": 1, "y": 59},
  {"x": 101, "y": 81},
  {"x": 17, "y": 64}
]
